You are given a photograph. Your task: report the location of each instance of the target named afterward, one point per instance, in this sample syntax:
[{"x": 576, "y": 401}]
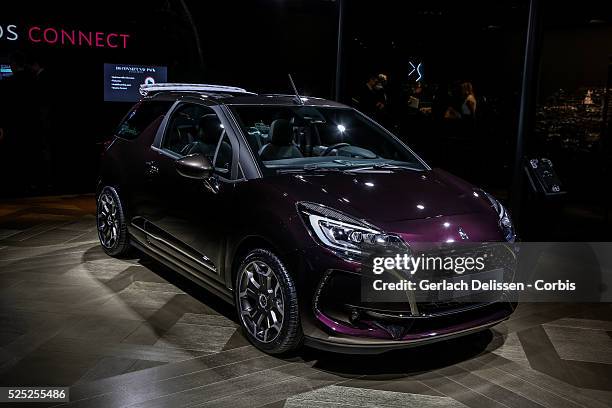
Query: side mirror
[{"x": 194, "y": 166}]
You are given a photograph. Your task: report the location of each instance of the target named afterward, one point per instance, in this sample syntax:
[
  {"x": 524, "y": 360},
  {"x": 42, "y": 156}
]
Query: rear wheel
[
  {"x": 266, "y": 302},
  {"x": 110, "y": 218}
]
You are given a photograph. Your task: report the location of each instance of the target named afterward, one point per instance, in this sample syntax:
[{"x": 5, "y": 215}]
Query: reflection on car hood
[{"x": 384, "y": 195}]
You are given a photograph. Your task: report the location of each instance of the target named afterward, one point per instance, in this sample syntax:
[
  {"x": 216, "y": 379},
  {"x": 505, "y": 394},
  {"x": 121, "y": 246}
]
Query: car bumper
[
  {"x": 377, "y": 341},
  {"x": 335, "y": 317}
]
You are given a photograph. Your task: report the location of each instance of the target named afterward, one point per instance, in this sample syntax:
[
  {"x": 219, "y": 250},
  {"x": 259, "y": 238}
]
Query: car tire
[
  {"x": 267, "y": 304},
  {"x": 111, "y": 223}
]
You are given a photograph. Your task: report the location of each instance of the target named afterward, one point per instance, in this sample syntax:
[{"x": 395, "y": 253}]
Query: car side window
[
  {"x": 193, "y": 129},
  {"x": 223, "y": 156},
  {"x": 143, "y": 115}
]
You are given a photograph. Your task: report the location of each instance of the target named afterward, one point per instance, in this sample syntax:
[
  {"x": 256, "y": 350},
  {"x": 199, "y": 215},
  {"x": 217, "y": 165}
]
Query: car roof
[
  {"x": 216, "y": 94},
  {"x": 279, "y": 99}
]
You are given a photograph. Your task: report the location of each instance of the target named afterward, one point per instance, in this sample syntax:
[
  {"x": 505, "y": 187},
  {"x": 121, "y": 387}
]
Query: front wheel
[
  {"x": 266, "y": 302},
  {"x": 110, "y": 218}
]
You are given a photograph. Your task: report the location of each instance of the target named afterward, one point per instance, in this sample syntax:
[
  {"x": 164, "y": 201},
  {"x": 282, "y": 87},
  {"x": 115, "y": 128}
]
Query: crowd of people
[
  {"x": 376, "y": 100},
  {"x": 446, "y": 123}
]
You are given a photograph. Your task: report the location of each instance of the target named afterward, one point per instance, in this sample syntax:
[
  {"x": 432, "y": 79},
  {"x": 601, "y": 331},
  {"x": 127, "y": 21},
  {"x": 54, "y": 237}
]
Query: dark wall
[
  {"x": 255, "y": 43},
  {"x": 252, "y": 44}
]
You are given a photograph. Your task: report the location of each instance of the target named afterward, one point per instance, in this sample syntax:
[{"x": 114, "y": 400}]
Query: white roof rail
[{"x": 145, "y": 89}]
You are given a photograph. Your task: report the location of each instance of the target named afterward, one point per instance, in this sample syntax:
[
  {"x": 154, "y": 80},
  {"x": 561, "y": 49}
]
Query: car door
[{"x": 192, "y": 216}]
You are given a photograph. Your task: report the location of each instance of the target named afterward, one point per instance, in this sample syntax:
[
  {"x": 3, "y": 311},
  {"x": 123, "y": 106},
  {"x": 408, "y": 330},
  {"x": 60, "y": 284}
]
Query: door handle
[{"x": 151, "y": 169}]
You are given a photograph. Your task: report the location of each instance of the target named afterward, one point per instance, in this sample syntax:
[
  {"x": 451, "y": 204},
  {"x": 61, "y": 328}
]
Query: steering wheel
[{"x": 329, "y": 149}]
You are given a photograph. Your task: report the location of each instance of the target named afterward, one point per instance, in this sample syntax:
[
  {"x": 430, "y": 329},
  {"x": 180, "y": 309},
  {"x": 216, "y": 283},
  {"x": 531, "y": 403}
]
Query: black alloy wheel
[
  {"x": 110, "y": 219},
  {"x": 266, "y": 302}
]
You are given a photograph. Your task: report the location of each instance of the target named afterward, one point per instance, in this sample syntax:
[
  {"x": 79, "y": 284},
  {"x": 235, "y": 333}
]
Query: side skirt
[{"x": 185, "y": 270}]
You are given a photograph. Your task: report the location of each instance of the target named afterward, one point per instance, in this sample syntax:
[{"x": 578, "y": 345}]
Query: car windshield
[{"x": 310, "y": 138}]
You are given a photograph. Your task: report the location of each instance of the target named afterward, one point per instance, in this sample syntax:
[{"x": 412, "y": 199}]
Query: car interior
[
  {"x": 284, "y": 136},
  {"x": 281, "y": 143},
  {"x": 197, "y": 129}
]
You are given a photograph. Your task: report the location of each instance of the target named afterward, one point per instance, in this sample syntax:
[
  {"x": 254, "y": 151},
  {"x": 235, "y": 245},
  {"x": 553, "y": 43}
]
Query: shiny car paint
[{"x": 202, "y": 228}]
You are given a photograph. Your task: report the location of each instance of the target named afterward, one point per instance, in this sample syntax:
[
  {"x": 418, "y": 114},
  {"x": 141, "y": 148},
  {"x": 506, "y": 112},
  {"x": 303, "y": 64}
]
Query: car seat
[
  {"x": 208, "y": 132},
  {"x": 281, "y": 143}
]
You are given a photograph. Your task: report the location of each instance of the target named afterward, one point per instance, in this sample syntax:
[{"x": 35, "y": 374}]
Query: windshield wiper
[
  {"x": 386, "y": 166},
  {"x": 308, "y": 168},
  {"x": 347, "y": 167},
  {"x": 316, "y": 167}
]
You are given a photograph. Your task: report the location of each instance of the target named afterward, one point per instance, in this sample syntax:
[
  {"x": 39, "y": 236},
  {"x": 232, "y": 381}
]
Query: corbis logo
[{"x": 64, "y": 37}]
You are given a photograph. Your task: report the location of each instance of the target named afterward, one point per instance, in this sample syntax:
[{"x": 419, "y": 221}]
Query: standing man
[{"x": 372, "y": 98}]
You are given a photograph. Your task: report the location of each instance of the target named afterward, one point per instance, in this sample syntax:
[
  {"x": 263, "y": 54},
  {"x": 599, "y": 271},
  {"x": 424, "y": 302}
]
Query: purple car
[{"x": 278, "y": 203}]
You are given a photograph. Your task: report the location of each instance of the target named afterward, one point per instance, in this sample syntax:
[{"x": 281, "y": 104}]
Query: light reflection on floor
[{"x": 130, "y": 332}]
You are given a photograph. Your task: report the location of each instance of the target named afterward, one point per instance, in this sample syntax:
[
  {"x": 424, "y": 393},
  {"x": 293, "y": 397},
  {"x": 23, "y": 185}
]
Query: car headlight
[
  {"x": 505, "y": 222},
  {"x": 345, "y": 235}
]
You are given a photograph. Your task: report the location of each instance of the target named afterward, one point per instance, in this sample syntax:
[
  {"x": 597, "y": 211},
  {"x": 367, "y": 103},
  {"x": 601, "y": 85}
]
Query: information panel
[
  {"x": 122, "y": 81},
  {"x": 5, "y": 71}
]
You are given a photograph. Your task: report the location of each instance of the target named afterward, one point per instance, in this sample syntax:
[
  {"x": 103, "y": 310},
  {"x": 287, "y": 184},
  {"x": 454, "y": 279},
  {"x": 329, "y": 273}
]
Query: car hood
[{"x": 386, "y": 195}]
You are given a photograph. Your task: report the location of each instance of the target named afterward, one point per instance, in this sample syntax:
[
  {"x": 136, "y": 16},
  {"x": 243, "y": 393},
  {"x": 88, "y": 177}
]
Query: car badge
[{"x": 462, "y": 233}]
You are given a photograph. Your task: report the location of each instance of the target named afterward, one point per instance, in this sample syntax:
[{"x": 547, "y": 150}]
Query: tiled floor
[{"x": 131, "y": 333}]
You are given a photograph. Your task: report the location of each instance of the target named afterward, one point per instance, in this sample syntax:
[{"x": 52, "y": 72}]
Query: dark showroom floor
[{"x": 131, "y": 333}]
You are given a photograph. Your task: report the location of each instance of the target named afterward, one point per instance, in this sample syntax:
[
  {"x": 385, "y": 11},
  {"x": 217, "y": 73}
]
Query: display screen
[
  {"x": 5, "y": 71},
  {"x": 122, "y": 81}
]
